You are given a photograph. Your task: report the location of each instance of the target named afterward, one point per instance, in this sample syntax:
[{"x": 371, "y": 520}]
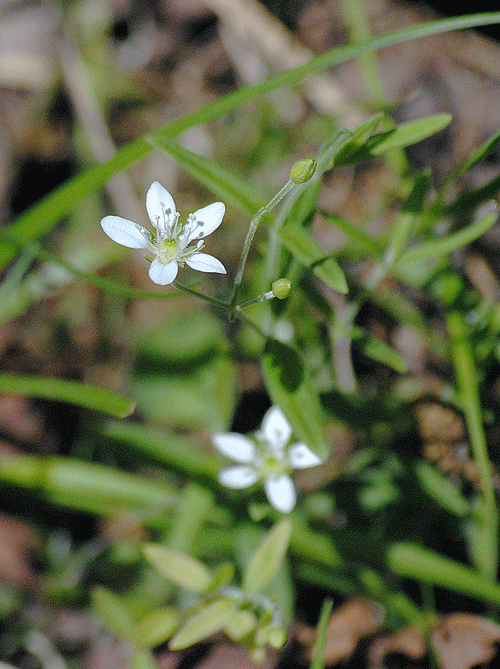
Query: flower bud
[
  {"x": 277, "y": 637},
  {"x": 281, "y": 288},
  {"x": 302, "y": 171}
]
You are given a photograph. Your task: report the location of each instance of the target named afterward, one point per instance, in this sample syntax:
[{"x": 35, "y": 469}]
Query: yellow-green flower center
[
  {"x": 167, "y": 251},
  {"x": 272, "y": 466}
]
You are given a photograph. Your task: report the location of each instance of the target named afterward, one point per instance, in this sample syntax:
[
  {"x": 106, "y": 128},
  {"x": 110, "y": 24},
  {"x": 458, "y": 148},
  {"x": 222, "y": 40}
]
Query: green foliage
[
  {"x": 325, "y": 354},
  {"x": 290, "y": 389},
  {"x": 70, "y": 392},
  {"x": 246, "y": 615},
  {"x": 267, "y": 558}
]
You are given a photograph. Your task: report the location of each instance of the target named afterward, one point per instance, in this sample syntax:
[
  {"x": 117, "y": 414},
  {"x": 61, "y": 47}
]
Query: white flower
[
  {"x": 171, "y": 244},
  {"x": 269, "y": 458}
]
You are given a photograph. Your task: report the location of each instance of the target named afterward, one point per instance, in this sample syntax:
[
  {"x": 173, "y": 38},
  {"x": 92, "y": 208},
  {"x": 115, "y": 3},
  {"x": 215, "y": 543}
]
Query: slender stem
[
  {"x": 468, "y": 388},
  {"x": 255, "y": 300},
  {"x": 35, "y": 250},
  {"x": 254, "y": 224},
  {"x": 359, "y": 30},
  {"x": 212, "y": 300}
]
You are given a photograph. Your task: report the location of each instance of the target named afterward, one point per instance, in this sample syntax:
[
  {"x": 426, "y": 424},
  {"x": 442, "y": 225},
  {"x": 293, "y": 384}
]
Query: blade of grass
[
  {"x": 71, "y": 392},
  {"x": 409, "y": 560},
  {"x": 318, "y": 658},
  {"x": 442, "y": 247},
  {"x": 230, "y": 188},
  {"x": 468, "y": 390}
]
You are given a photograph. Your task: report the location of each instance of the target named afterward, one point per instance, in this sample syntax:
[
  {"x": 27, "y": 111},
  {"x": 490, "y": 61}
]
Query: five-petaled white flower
[
  {"x": 269, "y": 457},
  {"x": 171, "y": 244}
]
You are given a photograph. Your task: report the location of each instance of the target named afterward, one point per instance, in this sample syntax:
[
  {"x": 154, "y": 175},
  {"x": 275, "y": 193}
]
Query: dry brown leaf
[
  {"x": 462, "y": 641},
  {"x": 16, "y": 540},
  {"x": 348, "y": 624},
  {"x": 438, "y": 422},
  {"x": 409, "y": 641}
]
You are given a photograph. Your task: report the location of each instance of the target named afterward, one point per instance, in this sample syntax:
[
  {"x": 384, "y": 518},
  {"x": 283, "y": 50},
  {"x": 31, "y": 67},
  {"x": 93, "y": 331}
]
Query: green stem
[
  {"x": 468, "y": 389},
  {"x": 212, "y": 300},
  {"x": 34, "y": 250},
  {"x": 255, "y": 300},
  {"x": 254, "y": 224}
]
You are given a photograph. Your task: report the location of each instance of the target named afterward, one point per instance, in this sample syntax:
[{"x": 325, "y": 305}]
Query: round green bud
[
  {"x": 281, "y": 288},
  {"x": 277, "y": 637},
  {"x": 302, "y": 171}
]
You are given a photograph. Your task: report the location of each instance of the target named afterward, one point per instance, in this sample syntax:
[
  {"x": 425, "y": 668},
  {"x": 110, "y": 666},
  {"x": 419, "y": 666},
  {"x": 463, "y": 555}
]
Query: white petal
[
  {"x": 301, "y": 457},
  {"x": 207, "y": 220},
  {"x": 161, "y": 273},
  {"x": 159, "y": 201},
  {"x": 238, "y": 477},
  {"x": 281, "y": 493},
  {"x": 276, "y": 429},
  {"x": 127, "y": 233},
  {"x": 205, "y": 263},
  {"x": 235, "y": 446}
]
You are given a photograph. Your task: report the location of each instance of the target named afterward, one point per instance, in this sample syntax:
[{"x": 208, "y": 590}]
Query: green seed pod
[
  {"x": 302, "y": 171},
  {"x": 281, "y": 288}
]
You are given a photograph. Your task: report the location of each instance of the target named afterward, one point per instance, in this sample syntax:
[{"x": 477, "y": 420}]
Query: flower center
[
  {"x": 167, "y": 251},
  {"x": 272, "y": 465}
]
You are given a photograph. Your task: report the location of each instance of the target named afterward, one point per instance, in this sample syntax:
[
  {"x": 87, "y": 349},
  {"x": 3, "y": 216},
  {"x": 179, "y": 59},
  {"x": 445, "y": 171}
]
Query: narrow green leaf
[
  {"x": 442, "y": 247},
  {"x": 70, "y": 392},
  {"x": 326, "y": 579},
  {"x": 362, "y": 133},
  {"x": 339, "y": 145},
  {"x": 230, "y": 188},
  {"x": 378, "y": 350},
  {"x": 113, "y": 613},
  {"x": 209, "y": 619},
  {"x": 183, "y": 570},
  {"x": 468, "y": 386},
  {"x": 195, "y": 504},
  {"x": 223, "y": 576},
  {"x": 470, "y": 199},
  {"x": 268, "y": 557},
  {"x": 442, "y": 489},
  {"x": 350, "y": 146},
  {"x": 318, "y": 656},
  {"x": 406, "y": 221},
  {"x": 290, "y": 389},
  {"x": 85, "y": 486},
  {"x": 156, "y": 627},
  {"x": 479, "y": 154},
  {"x": 410, "y": 560},
  {"x": 408, "y": 133},
  {"x": 481, "y": 538},
  {"x": 309, "y": 253},
  {"x": 395, "y": 601},
  {"x": 172, "y": 450}
]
